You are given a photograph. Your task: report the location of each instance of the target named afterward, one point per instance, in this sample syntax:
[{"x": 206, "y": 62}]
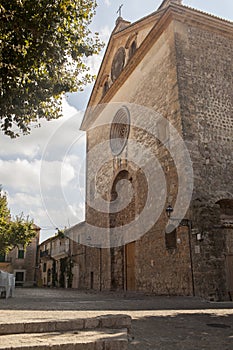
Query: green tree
[
  {"x": 19, "y": 231},
  {"x": 43, "y": 50}
]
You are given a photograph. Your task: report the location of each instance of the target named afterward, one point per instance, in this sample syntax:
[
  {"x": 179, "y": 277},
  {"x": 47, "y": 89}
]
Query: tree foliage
[
  {"x": 44, "y": 45},
  {"x": 17, "y": 232}
]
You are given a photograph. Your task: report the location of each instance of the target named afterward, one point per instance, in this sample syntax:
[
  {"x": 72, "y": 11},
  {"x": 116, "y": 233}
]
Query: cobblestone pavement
[{"x": 164, "y": 323}]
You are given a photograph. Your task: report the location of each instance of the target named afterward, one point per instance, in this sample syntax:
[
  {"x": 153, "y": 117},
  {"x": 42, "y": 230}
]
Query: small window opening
[
  {"x": 105, "y": 88},
  {"x": 132, "y": 49},
  {"x": 20, "y": 254},
  {"x": 92, "y": 280},
  {"x": 44, "y": 267}
]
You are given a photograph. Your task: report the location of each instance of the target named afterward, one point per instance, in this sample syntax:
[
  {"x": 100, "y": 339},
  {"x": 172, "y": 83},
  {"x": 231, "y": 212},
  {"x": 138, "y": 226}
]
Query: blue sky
[{"x": 43, "y": 173}]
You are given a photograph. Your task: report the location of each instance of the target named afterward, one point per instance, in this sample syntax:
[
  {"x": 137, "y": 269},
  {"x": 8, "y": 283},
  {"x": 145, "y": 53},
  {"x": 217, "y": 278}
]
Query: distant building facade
[
  {"x": 23, "y": 262},
  {"x": 57, "y": 262}
]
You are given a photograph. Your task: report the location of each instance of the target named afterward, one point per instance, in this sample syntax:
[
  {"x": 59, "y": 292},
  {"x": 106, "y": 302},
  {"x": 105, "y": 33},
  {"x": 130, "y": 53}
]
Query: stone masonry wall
[
  {"x": 156, "y": 269},
  {"x": 205, "y": 77}
]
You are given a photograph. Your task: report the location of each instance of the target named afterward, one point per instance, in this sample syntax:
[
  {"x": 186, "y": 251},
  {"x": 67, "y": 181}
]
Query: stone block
[
  {"x": 14, "y": 328},
  {"x": 90, "y": 323},
  {"x": 39, "y": 327},
  {"x": 71, "y": 325},
  {"x": 116, "y": 345},
  {"x": 115, "y": 321}
]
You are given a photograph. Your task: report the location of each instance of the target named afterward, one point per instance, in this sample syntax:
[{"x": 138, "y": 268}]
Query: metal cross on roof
[{"x": 119, "y": 10}]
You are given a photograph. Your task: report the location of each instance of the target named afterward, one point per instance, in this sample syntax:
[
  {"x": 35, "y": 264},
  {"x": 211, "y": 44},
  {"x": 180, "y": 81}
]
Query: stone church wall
[
  {"x": 157, "y": 268},
  {"x": 205, "y": 77},
  {"x": 186, "y": 76}
]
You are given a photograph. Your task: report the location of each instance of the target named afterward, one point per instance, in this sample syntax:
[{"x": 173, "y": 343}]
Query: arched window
[
  {"x": 106, "y": 87},
  {"x": 133, "y": 48},
  {"x": 226, "y": 210},
  {"x": 118, "y": 63}
]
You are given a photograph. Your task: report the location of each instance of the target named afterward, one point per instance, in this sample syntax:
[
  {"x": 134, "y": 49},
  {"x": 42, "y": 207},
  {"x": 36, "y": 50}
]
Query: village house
[
  {"x": 23, "y": 262},
  {"x": 57, "y": 264}
]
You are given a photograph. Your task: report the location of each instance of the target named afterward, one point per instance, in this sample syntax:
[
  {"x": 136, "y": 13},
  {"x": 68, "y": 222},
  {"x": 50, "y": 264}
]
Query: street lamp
[{"x": 169, "y": 210}]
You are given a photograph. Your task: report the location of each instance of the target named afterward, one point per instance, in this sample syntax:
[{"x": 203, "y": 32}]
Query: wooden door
[
  {"x": 229, "y": 275},
  {"x": 130, "y": 266}
]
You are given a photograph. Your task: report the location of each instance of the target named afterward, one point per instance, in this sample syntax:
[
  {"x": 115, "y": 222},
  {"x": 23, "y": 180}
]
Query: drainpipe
[
  {"x": 124, "y": 272},
  {"x": 100, "y": 257},
  {"x": 190, "y": 252}
]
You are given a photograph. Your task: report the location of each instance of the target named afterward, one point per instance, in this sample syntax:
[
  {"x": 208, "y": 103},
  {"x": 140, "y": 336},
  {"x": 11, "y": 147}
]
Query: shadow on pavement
[{"x": 183, "y": 331}]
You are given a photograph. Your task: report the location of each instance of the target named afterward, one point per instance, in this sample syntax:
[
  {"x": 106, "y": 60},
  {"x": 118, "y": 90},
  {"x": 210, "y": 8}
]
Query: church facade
[{"x": 159, "y": 128}]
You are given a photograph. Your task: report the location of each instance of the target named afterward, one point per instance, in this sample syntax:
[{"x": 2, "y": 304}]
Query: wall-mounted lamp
[
  {"x": 169, "y": 210},
  {"x": 182, "y": 222}
]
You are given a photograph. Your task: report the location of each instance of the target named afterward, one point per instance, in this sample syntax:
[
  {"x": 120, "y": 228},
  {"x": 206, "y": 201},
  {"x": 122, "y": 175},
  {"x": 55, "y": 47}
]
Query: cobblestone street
[{"x": 158, "y": 322}]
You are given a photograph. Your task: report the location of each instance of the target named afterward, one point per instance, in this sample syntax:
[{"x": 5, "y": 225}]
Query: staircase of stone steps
[{"x": 108, "y": 332}]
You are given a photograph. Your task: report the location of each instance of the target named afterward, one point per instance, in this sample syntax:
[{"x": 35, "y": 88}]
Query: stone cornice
[
  {"x": 189, "y": 15},
  {"x": 174, "y": 11},
  {"x": 208, "y": 14}
]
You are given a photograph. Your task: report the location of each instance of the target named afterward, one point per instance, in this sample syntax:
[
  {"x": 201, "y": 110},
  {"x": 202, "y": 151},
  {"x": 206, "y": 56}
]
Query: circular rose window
[{"x": 119, "y": 131}]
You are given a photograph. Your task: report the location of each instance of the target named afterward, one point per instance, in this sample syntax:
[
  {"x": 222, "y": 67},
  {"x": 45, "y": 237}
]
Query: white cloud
[
  {"x": 20, "y": 174},
  {"x": 55, "y": 174},
  {"x": 107, "y": 2},
  {"x": 77, "y": 211},
  {"x": 39, "y": 171},
  {"x": 25, "y": 199},
  {"x": 68, "y": 111},
  {"x": 47, "y": 194},
  {"x": 30, "y": 177},
  {"x": 31, "y": 146},
  {"x": 58, "y": 204},
  {"x": 105, "y": 33},
  {"x": 67, "y": 173},
  {"x": 94, "y": 62}
]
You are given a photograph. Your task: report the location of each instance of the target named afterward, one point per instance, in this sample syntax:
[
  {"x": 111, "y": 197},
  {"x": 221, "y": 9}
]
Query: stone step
[
  {"x": 101, "y": 339},
  {"x": 89, "y": 323}
]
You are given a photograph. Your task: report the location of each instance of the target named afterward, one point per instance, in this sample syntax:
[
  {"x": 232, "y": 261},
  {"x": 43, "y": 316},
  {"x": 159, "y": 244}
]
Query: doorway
[
  {"x": 229, "y": 275},
  {"x": 226, "y": 221},
  {"x": 19, "y": 278},
  {"x": 122, "y": 258}
]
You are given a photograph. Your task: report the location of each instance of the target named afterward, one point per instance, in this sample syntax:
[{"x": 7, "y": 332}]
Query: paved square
[{"x": 158, "y": 322}]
